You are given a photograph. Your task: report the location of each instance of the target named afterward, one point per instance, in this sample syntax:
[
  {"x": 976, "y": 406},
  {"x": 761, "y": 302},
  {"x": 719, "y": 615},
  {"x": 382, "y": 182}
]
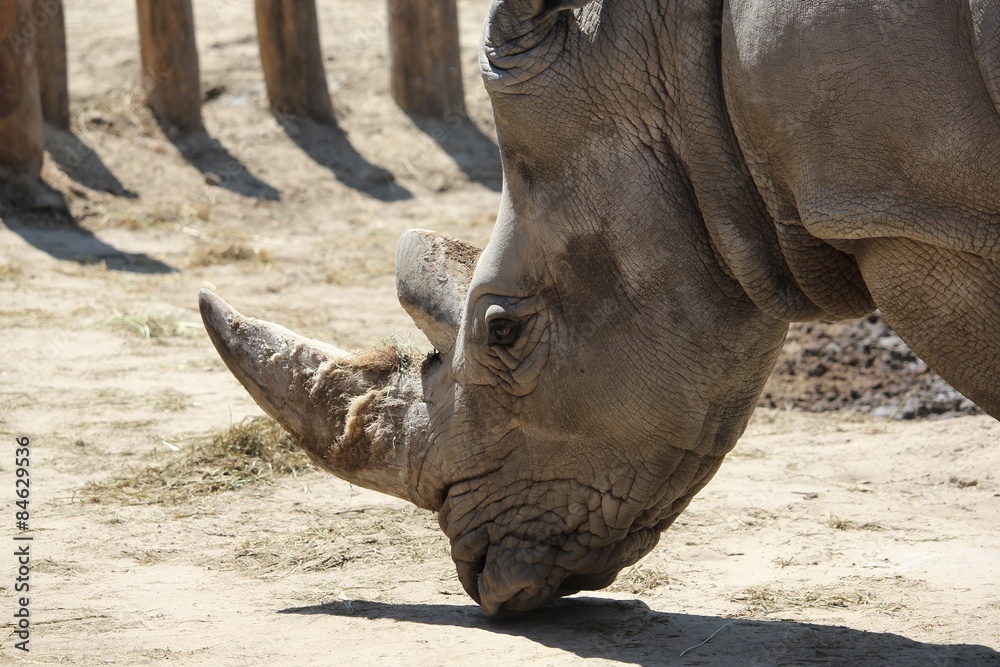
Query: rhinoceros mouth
[
  {"x": 510, "y": 591},
  {"x": 519, "y": 595},
  {"x": 575, "y": 583}
]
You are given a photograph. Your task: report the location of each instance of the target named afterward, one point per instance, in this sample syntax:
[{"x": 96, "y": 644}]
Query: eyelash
[{"x": 505, "y": 340}]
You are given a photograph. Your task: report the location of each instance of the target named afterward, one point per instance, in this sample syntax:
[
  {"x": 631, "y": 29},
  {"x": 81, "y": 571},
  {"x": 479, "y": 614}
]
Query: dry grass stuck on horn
[{"x": 254, "y": 451}]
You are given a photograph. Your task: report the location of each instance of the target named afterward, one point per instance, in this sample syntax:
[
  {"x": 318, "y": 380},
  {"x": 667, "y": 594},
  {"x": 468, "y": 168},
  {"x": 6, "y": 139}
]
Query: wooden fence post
[
  {"x": 288, "y": 32},
  {"x": 426, "y": 62},
  {"x": 22, "y": 140},
  {"x": 50, "y": 52},
  {"x": 170, "y": 62}
]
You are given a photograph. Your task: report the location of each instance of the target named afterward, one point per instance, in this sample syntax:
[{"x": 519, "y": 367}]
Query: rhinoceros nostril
[
  {"x": 478, "y": 566},
  {"x": 469, "y": 573}
]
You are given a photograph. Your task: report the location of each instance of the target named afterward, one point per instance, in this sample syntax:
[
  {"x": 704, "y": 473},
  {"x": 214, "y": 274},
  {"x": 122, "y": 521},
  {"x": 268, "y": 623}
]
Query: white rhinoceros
[{"x": 682, "y": 178}]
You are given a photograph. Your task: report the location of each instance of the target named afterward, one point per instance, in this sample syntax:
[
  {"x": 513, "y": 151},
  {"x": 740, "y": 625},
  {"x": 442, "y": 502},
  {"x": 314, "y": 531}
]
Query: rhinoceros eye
[{"x": 503, "y": 332}]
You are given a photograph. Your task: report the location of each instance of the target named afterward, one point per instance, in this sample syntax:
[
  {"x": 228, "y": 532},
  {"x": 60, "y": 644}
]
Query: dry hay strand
[
  {"x": 178, "y": 218},
  {"x": 362, "y": 258},
  {"x": 135, "y": 221},
  {"x": 762, "y": 601},
  {"x": 11, "y": 271},
  {"x": 368, "y": 536},
  {"x": 838, "y": 523},
  {"x": 148, "y": 556},
  {"x": 168, "y": 399},
  {"x": 231, "y": 253},
  {"x": 172, "y": 400},
  {"x": 358, "y": 268},
  {"x": 639, "y": 579},
  {"x": 254, "y": 451},
  {"x": 747, "y": 453},
  {"x": 151, "y": 326}
]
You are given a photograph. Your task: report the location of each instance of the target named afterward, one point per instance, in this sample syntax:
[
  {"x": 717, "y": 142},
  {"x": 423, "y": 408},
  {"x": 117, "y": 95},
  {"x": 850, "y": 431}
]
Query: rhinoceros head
[{"x": 593, "y": 364}]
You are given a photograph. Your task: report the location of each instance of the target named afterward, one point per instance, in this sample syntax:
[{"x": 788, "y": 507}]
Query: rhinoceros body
[{"x": 682, "y": 178}]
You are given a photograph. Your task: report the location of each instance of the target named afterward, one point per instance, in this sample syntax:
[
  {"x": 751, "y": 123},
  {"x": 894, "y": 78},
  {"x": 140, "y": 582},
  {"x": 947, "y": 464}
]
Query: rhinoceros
[{"x": 682, "y": 179}]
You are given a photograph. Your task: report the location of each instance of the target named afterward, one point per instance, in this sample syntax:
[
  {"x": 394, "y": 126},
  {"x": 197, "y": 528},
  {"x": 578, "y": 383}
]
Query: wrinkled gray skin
[{"x": 682, "y": 179}]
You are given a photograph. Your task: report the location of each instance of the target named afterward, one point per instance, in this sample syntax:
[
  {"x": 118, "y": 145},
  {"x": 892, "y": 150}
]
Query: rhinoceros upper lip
[
  {"x": 575, "y": 583},
  {"x": 469, "y": 572}
]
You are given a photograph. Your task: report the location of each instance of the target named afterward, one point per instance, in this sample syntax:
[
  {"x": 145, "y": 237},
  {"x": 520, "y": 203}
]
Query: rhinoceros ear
[{"x": 432, "y": 278}]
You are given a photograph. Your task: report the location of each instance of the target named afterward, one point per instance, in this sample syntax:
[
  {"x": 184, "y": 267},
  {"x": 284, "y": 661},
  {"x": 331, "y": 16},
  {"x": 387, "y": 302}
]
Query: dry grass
[
  {"x": 312, "y": 550},
  {"x": 169, "y": 400},
  {"x": 639, "y": 579},
  {"x": 151, "y": 325},
  {"x": 837, "y": 523},
  {"x": 192, "y": 212},
  {"x": 747, "y": 453},
  {"x": 762, "y": 601},
  {"x": 362, "y": 257},
  {"x": 254, "y": 451},
  {"x": 174, "y": 217},
  {"x": 755, "y": 516},
  {"x": 360, "y": 268},
  {"x": 149, "y": 556},
  {"x": 231, "y": 253},
  {"x": 135, "y": 221},
  {"x": 11, "y": 271},
  {"x": 50, "y": 566},
  {"x": 172, "y": 400},
  {"x": 783, "y": 562},
  {"x": 373, "y": 536}
]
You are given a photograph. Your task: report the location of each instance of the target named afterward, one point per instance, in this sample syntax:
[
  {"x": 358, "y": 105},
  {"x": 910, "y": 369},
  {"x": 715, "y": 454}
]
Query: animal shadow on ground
[
  {"x": 54, "y": 231},
  {"x": 329, "y": 147},
  {"x": 629, "y": 632},
  {"x": 475, "y": 153},
  {"x": 219, "y": 167},
  {"x": 81, "y": 163}
]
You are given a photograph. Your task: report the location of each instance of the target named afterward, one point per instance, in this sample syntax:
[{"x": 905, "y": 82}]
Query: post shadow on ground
[
  {"x": 39, "y": 215},
  {"x": 81, "y": 163},
  {"x": 219, "y": 167},
  {"x": 476, "y": 154},
  {"x": 329, "y": 147},
  {"x": 629, "y": 632}
]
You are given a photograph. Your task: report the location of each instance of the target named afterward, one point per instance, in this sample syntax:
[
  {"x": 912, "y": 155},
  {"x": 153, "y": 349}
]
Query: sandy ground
[{"x": 824, "y": 540}]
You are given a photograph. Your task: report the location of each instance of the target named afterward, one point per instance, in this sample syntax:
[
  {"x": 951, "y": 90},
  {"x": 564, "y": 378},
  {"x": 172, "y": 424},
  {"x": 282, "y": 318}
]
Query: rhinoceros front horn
[
  {"x": 432, "y": 278},
  {"x": 356, "y": 416}
]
